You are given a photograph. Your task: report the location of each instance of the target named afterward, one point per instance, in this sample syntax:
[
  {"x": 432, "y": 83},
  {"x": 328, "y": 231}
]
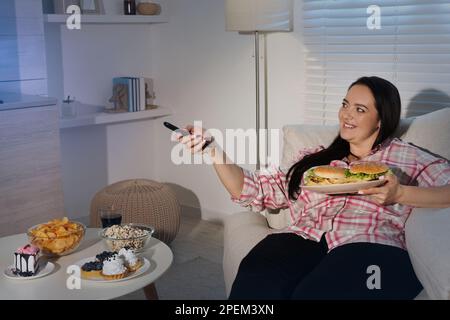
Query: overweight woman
[{"x": 336, "y": 242}]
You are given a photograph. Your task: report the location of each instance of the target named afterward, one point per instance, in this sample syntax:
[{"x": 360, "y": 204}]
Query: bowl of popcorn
[
  {"x": 131, "y": 236},
  {"x": 58, "y": 237}
]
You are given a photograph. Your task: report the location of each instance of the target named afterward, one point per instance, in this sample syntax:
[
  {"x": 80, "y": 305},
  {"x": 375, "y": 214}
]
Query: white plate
[
  {"x": 134, "y": 274},
  {"x": 45, "y": 268},
  {"x": 344, "y": 188}
]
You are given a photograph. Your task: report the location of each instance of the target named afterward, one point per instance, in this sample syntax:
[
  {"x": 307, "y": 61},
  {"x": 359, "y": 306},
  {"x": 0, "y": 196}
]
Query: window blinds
[{"x": 411, "y": 49}]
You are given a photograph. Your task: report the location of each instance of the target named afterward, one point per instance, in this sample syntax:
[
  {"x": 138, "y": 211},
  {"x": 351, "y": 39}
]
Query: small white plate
[
  {"x": 344, "y": 188},
  {"x": 45, "y": 268},
  {"x": 134, "y": 274}
]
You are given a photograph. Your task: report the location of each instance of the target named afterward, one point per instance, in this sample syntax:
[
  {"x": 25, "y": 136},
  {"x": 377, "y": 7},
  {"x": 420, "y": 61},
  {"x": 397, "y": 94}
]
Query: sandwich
[
  {"x": 367, "y": 171},
  {"x": 323, "y": 175},
  {"x": 327, "y": 175}
]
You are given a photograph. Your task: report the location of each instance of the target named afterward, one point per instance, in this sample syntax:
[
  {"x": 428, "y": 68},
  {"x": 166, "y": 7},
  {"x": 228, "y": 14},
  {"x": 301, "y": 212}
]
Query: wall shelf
[
  {"x": 88, "y": 115},
  {"x": 108, "y": 19}
]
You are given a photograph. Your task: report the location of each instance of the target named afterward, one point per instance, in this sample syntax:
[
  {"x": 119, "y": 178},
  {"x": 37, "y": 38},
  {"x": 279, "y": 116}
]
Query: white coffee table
[{"x": 53, "y": 286}]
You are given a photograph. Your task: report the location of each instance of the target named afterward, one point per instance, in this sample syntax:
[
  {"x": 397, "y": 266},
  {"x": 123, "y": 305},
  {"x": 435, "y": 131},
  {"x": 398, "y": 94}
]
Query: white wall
[
  {"x": 205, "y": 73},
  {"x": 201, "y": 72},
  {"x": 94, "y": 157}
]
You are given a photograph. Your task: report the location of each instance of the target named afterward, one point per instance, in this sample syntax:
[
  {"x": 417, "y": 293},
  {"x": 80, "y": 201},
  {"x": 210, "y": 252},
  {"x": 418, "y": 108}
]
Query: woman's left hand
[{"x": 387, "y": 194}]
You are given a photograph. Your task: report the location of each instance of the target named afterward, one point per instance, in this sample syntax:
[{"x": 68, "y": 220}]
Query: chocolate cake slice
[{"x": 26, "y": 261}]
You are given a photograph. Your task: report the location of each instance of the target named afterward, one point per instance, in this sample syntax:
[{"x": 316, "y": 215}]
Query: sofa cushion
[
  {"x": 297, "y": 137},
  {"x": 427, "y": 241},
  {"x": 430, "y": 131}
]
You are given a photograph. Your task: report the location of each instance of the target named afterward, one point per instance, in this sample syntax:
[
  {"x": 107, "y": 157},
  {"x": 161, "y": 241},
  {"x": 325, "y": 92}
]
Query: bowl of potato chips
[{"x": 58, "y": 237}]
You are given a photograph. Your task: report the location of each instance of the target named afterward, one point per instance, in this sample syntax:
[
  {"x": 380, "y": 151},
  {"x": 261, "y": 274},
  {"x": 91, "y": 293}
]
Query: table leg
[{"x": 150, "y": 292}]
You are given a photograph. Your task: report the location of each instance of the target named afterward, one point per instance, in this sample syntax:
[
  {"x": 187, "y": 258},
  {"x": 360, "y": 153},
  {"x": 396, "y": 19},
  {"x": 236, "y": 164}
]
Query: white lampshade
[{"x": 259, "y": 15}]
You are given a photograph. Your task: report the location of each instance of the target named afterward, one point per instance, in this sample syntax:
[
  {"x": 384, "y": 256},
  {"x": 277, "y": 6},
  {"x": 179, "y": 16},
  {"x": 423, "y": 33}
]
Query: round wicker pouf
[{"x": 141, "y": 201}]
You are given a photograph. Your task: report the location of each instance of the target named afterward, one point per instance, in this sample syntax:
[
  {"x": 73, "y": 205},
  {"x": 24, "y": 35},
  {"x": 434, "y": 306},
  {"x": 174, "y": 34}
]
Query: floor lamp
[{"x": 257, "y": 17}]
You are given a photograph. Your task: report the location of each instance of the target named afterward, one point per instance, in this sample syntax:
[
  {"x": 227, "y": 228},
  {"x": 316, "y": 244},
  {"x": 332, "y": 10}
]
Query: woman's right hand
[
  {"x": 230, "y": 174},
  {"x": 196, "y": 139}
]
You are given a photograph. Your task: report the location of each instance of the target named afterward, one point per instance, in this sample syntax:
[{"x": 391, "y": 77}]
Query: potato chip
[{"x": 57, "y": 236}]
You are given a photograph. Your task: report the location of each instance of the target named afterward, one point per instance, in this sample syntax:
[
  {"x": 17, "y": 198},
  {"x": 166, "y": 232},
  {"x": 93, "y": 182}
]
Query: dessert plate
[
  {"x": 343, "y": 188},
  {"x": 45, "y": 268},
  {"x": 131, "y": 275}
]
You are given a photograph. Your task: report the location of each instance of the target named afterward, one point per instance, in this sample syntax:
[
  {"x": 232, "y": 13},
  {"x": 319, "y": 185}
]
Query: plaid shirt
[{"x": 347, "y": 218}]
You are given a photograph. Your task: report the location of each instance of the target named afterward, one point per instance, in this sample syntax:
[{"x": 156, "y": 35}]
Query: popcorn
[{"x": 118, "y": 237}]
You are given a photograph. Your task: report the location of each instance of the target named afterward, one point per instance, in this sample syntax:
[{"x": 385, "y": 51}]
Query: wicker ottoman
[{"x": 141, "y": 201}]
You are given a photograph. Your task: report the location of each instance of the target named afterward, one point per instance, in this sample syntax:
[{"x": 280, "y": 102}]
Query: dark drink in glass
[
  {"x": 110, "y": 217},
  {"x": 111, "y": 220}
]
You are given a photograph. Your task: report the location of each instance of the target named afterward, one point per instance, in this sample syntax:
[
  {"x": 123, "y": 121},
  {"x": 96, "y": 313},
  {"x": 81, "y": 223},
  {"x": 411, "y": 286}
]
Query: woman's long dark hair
[{"x": 388, "y": 104}]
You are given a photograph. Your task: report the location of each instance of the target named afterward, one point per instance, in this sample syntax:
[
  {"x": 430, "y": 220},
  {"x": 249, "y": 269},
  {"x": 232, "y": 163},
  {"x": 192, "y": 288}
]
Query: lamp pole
[
  {"x": 258, "y": 161},
  {"x": 255, "y": 17},
  {"x": 266, "y": 103}
]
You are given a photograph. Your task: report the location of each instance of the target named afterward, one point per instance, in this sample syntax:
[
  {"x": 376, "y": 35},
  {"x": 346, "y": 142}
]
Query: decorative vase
[{"x": 149, "y": 9}]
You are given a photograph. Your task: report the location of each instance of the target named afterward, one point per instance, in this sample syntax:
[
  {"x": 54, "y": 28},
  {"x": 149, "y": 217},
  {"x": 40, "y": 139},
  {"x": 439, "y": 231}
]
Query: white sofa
[{"x": 427, "y": 230}]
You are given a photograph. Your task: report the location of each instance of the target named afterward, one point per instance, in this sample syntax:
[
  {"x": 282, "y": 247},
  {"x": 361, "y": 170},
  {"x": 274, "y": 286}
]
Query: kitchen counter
[{"x": 11, "y": 101}]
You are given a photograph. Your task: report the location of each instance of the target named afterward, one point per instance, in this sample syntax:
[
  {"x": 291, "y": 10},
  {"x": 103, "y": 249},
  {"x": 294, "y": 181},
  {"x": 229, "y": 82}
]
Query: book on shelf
[
  {"x": 122, "y": 95},
  {"x": 142, "y": 104},
  {"x": 132, "y": 94}
]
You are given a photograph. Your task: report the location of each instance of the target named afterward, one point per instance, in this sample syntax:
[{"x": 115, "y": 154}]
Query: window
[{"x": 411, "y": 48}]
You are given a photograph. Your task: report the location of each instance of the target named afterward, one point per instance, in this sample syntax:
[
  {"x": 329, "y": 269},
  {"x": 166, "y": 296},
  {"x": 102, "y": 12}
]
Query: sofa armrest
[
  {"x": 242, "y": 231},
  {"x": 428, "y": 243}
]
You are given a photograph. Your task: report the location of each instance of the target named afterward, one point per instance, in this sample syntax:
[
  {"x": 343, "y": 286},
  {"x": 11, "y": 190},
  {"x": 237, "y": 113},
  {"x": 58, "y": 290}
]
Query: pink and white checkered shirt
[{"x": 347, "y": 218}]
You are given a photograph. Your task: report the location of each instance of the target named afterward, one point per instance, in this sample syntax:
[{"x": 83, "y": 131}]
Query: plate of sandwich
[{"x": 337, "y": 180}]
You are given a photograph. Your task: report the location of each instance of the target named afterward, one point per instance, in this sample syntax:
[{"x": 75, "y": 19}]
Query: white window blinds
[{"x": 411, "y": 49}]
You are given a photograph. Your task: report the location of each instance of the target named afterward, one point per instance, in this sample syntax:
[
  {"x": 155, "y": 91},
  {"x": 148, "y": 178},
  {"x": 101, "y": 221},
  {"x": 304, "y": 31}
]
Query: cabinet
[{"x": 30, "y": 166}]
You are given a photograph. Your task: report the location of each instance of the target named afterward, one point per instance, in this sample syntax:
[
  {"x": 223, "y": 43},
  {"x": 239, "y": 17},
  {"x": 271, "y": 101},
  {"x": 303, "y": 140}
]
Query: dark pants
[{"x": 286, "y": 266}]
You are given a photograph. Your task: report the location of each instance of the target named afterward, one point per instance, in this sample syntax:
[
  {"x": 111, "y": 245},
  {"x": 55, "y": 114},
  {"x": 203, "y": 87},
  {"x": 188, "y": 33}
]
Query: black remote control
[
  {"x": 184, "y": 133},
  {"x": 170, "y": 126}
]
